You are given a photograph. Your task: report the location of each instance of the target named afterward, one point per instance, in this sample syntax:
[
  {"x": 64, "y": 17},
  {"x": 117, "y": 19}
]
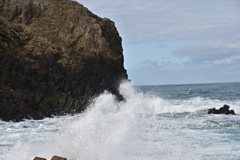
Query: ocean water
[{"x": 167, "y": 122}]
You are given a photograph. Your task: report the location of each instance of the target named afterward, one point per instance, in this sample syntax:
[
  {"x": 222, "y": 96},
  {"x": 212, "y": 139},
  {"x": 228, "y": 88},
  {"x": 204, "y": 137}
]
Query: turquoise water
[{"x": 155, "y": 122}]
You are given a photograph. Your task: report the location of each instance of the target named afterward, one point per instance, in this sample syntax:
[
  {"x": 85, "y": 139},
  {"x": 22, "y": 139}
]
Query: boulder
[
  {"x": 58, "y": 158},
  {"x": 39, "y": 158},
  {"x": 53, "y": 158},
  {"x": 222, "y": 110},
  {"x": 55, "y": 56}
]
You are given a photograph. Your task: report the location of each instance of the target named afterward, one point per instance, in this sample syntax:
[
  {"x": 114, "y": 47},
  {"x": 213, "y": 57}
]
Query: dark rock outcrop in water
[
  {"x": 222, "y": 110},
  {"x": 54, "y": 56}
]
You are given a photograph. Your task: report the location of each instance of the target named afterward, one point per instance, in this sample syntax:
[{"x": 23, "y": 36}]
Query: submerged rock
[
  {"x": 222, "y": 110},
  {"x": 55, "y": 55}
]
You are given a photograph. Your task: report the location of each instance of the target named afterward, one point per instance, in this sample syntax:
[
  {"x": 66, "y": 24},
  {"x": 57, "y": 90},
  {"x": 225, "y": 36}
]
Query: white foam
[{"x": 141, "y": 127}]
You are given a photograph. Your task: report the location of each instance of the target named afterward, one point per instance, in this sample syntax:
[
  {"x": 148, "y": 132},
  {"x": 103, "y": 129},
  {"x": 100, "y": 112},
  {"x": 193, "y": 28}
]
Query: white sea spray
[{"x": 144, "y": 126}]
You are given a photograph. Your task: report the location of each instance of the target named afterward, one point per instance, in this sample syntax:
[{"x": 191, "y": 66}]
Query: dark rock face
[
  {"x": 222, "y": 110},
  {"x": 54, "y": 56}
]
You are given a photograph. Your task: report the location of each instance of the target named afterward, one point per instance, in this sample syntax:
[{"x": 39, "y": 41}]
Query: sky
[{"x": 176, "y": 42}]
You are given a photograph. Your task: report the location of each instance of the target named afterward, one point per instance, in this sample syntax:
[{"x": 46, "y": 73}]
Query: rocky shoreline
[{"x": 55, "y": 55}]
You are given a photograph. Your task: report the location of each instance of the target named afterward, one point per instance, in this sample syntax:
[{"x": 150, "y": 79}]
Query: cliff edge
[{"x": 54, "y": 56}]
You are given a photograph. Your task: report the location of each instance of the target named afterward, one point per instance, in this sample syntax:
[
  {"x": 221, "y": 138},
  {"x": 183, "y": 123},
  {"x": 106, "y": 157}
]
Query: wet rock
[
  {"x": 54, "y": 57},
  {"x": 58, "y": 158},
  {"x": 222, "y": 110},
  {"x": 39, "y": 158}
]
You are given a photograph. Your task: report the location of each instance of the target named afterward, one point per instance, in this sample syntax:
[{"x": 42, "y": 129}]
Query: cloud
[
  {"x": 171, "y": 20},
  {"x": 209, "y": 28},
  {"x": 209, "y": 51},
  {"x": 227, "y": 60},
  {"x": 162, "y": 46},
  {"x": 152, "y": 72},
  {"x": 152, "y": 66}
]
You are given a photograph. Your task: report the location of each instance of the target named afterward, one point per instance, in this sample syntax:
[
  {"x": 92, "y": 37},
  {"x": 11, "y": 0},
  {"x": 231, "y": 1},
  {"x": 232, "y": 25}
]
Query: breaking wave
[{"x": 144, "y": 126}]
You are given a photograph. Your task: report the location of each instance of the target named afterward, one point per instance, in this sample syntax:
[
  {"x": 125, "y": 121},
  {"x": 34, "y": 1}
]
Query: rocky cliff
[{"x": 54, "y": 56}]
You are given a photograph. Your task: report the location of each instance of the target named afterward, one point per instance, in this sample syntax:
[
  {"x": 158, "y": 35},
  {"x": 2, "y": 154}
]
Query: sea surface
[{"x": 164, "y": 122}]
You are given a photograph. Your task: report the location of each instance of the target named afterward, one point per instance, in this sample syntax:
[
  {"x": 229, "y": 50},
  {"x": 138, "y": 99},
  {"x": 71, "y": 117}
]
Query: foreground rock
[
  {"x": 222, "y": 110},
  {"x": 53, "y": 158},
  {"x": 39, "y": 158},
  {"x": 54, "y": 56},
  {"x": 58, "y": 158}
]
